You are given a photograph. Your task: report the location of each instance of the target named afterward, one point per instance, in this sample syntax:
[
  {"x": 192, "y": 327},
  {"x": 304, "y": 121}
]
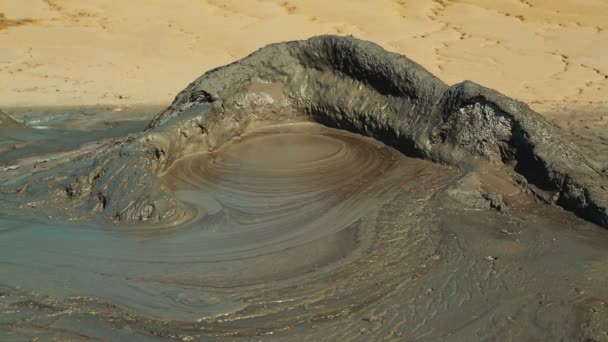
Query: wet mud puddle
[
  {"x": 305, "y": 231},
  {"x": 42, "y": 134}
]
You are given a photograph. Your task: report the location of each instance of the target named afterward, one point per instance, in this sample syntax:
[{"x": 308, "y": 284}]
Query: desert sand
[{"x": 550, "y": 54}]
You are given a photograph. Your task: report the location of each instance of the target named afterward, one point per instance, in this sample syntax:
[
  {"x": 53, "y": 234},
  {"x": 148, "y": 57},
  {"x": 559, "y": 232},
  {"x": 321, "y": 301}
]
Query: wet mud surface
[
  {"x": 40, "y": 135},
  {"x": 299, "y": 231}
]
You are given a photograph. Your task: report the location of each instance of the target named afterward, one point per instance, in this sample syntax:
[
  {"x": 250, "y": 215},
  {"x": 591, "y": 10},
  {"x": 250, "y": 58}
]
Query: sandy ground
[
  {"x": 548, "y": 53},
  {"x": 70, "y": 52}
]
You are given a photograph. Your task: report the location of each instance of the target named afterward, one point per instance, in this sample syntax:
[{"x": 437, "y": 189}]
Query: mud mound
[{"x": 340, "y": 82}]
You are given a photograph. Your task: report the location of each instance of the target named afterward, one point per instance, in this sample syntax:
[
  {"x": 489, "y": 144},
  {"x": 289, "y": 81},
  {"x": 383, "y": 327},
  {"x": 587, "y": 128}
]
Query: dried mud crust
[{"x": 340, "y": 82}]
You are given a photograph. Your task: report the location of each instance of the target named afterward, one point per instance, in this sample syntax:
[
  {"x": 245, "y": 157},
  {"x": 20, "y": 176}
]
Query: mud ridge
[{"x": 341, "y": 82}]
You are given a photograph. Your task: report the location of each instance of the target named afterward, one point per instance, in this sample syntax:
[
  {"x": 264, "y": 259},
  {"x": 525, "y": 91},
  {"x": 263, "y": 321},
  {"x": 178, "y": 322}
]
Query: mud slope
[
  {"x": 7, "y": 121},
  {"x": 340, "y": 82}
]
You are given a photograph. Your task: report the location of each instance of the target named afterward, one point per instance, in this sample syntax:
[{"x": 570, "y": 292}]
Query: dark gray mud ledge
[{"x": 338, "y": 81}]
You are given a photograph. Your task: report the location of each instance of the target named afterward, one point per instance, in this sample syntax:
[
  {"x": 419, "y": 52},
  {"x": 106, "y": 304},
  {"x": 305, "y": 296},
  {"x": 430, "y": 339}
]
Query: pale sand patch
[{"x": 546, "y": 53}]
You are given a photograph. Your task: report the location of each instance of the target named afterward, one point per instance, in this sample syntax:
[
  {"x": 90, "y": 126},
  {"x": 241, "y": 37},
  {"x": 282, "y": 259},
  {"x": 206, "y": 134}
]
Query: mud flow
[{"x": 299, "y": 231}]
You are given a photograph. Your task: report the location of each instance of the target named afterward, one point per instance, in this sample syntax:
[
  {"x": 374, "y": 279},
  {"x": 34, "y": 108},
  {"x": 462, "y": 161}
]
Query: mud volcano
[{"x": 322, "y": 189}]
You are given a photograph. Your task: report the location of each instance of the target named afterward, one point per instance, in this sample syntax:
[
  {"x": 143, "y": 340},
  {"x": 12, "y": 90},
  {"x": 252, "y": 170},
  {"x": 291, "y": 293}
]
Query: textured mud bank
[{"x": 235, "y": 214}]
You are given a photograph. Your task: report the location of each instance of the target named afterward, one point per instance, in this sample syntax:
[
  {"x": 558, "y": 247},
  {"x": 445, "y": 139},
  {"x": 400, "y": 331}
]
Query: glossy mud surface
[{"x": 304, "y": 232}]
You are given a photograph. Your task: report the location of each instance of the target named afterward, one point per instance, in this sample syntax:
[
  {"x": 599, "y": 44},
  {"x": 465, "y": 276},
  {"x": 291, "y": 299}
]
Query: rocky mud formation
[{"x": 340, "y": 82}]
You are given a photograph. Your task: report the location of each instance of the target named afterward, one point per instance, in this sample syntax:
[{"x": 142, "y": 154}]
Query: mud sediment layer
[{"x": 340, "y": 82}]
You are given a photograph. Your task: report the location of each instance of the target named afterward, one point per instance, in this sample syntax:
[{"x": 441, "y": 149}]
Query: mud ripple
[
  {"x": 300, "y": 209},
  {"x": 290, "y": 225}
]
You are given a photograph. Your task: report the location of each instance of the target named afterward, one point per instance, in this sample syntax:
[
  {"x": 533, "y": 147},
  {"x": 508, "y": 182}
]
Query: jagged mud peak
[
  {"x": 346, "y": 83},
  {"x": 485, "y": 123}
]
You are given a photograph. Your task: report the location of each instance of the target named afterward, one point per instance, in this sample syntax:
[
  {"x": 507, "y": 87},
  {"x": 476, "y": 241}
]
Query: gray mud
[
  {"x": 415, "y": 211},
  {"x": 31, "y": 136},
  {"x": 303, "y": 232}
]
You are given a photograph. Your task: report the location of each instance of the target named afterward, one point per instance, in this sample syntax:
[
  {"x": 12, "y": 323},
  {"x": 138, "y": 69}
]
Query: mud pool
[{"x": 299, "y": 231}]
